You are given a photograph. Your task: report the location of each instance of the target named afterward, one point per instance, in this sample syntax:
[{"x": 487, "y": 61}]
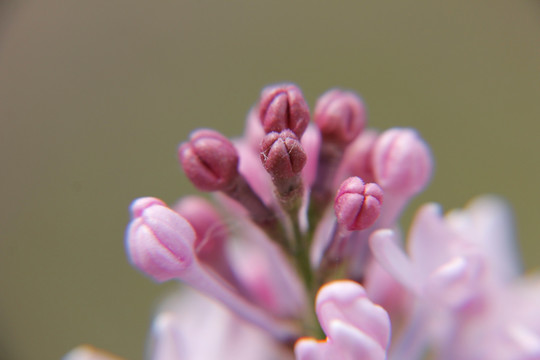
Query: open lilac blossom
[
  {"x": 299, "y": 255},
  {"x": 355, "y": 327}
]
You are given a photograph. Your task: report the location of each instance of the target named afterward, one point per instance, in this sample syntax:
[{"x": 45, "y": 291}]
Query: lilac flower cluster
[{"x": 300, "y": 255}]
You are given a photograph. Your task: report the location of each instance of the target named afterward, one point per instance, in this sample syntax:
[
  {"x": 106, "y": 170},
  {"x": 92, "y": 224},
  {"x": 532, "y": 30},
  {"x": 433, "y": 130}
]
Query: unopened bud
[
  {"x": 282, "y": 154},
  {"x": 210, "y": 230},
  {"x": 340, "y": 115},
  {"x": 357, "y": 205},
  {"x": 357, "y": 160},
  {"x": 209, "y": 160},
  {"x": 159, "y": 241},
  {"x": 283, "y": 107},
  {"x": 402, "y": 162}
]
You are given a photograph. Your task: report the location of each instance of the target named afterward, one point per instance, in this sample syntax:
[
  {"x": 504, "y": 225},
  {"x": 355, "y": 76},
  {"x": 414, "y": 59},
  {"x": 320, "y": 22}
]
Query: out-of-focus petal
[
  {"x": 457, "y": 282},
  {"x": 429, "y": 240},
  {"x": 193, "y": 327},
  {"x": 344, "y": 301},
  {"x": 392, "y": 258},
  {"x": 355, "y": 327},
  {"x": 488, "y": 223}
]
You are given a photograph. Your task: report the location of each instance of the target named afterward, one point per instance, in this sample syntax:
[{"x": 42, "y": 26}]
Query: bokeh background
[{"x": 96, "y": 95}]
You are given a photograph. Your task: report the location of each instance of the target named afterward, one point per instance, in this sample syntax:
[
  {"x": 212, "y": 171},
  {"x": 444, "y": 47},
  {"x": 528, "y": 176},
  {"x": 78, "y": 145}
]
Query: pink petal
[{"x": 392, "y": 258}]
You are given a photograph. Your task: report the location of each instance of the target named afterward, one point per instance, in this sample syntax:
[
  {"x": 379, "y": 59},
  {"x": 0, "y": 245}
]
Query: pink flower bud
[
  {"x": 209, "y": 160},
  {"x": 138, "y": 206},
  {"x": 357, "y": 160},
  {"x": 401, "y": 162},
  {"x": 159, "y": 242},
  {"x": 211, "y": 233},
  {"x": 282, "y": 154},
  {"x": 204, "y": 219},
  {"x": 340, "y": 115},
  {"x": 283, "y": 107},
  {"x": 357, "y": 206}
]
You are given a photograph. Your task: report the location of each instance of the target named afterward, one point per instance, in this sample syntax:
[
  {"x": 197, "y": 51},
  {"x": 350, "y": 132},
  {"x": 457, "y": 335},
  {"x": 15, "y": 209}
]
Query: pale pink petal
[
  {"x": 392, "y": 258},
  {"x": 168, "y": 342},
  {"x": 430, "y": 239},
  {"x": 342, "y": 300},
  {"x": 386, "y": 291},
  {"x": 488, "y": 224},
  {"x": 201, "y": 329},
  {"x": 352, "y": 344},
  {"x": 355, "y": 327},
  {"x": 456, "y": 282}
]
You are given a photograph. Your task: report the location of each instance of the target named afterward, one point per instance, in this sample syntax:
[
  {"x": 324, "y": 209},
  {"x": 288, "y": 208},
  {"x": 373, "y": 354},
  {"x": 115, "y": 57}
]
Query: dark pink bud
[
  {"x": 209, "y": 160},
  {"x": 282, "y": 154},
  {"x": 340, "y": 115},
  {"x": 401, "y": 162},
  {"x": 283, "y": 107},
  {"x": 357, "y": 205}
]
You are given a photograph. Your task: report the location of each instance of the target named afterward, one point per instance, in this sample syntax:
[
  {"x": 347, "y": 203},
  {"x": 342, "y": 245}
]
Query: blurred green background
[{"x": 96, "y": 95}]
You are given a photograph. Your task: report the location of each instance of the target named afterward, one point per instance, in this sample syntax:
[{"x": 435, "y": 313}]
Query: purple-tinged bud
[
  {"x": 283, "y": 107},
  {"x": 358, "y": 205},
  {"x": 205, "y": 220},
  {"x": 402, "y": 162},
  {"x": 211, "y": 233},
  {"x": 282, "y": 154},
  {"x": 210, "y": 160},
  {"x": 159, "y": 241},
  {"x": 357, "y": 160},
  {"x": 340, "y": 115}
]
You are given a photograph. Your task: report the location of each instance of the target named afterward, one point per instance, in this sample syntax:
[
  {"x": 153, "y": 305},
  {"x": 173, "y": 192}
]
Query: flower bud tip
[
  {"x": 401, "y": 162},
  {"x": 340, "y": 115},
  {"x": 283, "y": 107},
  {"x": 209, "y": 160},
  {"x": 357, "y": 205},
  {"x": 159, "y": 242},
  {"x": 282, "y": 154}
]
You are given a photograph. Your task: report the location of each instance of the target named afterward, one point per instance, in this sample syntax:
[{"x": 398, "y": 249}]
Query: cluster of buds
[{"x": 301, "y": 248}]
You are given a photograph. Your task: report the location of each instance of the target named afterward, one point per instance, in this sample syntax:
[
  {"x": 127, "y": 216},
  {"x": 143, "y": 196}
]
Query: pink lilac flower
[{"x": 299, "y": 255}]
